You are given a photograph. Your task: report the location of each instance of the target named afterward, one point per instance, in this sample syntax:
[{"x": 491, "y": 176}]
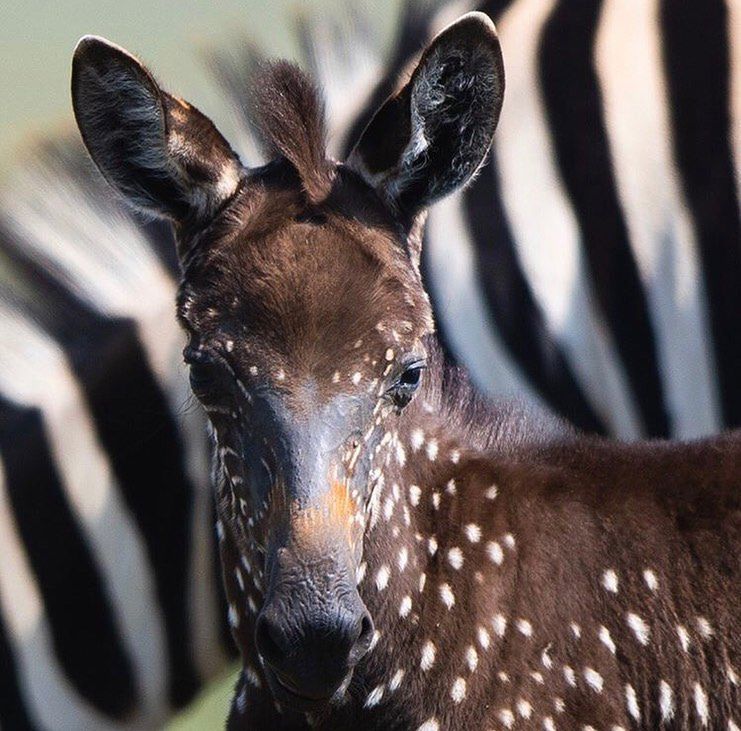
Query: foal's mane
[{"x": 290, "y": 117}]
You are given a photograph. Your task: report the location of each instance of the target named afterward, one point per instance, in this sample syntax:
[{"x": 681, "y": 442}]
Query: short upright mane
[{"x": 290, "y": 114}]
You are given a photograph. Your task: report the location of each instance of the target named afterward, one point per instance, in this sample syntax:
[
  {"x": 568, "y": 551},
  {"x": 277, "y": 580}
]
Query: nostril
[
  {"x": 268, "y": 640},
  {"x": 364, "y": 639}
]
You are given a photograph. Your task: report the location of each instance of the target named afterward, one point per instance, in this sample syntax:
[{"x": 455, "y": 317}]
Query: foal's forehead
[{"x": 313, "y": 284}]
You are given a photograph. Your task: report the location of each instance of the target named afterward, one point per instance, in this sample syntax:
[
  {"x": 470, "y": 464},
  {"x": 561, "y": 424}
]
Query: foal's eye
[{"x": 403, "y": 390}]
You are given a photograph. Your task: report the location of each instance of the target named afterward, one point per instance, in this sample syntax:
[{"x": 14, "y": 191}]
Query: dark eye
[
  {"x": 403, "y": 390},
  {"x": 203, "y": 377}
]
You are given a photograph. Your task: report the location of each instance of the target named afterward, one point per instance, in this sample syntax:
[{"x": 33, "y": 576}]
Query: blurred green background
[{"x": 36, "y": 41}]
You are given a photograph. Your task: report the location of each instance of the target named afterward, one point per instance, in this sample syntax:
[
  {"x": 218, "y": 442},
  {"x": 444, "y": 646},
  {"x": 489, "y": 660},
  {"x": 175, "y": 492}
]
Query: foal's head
[{"x": 304, "y": 310}]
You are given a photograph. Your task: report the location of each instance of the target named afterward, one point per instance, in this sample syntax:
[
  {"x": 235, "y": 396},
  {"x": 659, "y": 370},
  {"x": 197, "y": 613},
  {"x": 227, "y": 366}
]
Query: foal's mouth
[{"x": 286, "y": 694}]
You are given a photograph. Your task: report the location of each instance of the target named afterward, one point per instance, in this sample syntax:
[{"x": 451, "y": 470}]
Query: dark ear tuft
[
  {"x": 290, "y": 114},
  {"x": 432, "y": 136},
  {"x": 161, "y": 153}
]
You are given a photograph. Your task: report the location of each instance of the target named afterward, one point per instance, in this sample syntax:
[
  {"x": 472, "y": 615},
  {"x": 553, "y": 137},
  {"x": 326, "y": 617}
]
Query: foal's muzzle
[{"x": 309, "y": 645}]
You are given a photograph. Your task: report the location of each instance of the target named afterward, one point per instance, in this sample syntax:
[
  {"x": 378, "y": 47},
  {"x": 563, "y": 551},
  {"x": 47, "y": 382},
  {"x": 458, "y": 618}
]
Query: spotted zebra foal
[{"x": 399, "y": 552}]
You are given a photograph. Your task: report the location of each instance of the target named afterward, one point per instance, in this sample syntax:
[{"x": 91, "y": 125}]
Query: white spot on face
[
  {"x": 494, "y": 552},
  {"x": 666, "y": 701},
  {"x": 473, "y": 532},
  {"x": 458, "y": 690},
  {"x": 704, "y": 628},
  {"x": 455, "y": 558},
  {"x": 414, "y": 495},
  {"x": 684, "y": 637},
  {"x": 606, "y": 639},
  {"x": 472, "y": 658},
  {"x": 491, "y": 492},
  {"x": 395, "y": 681},
  {"x": 507, "y": 717},
  {"x": 610, "y": 581},
  {"x": 374, "y": 697},
  {"x": 701, "y": 704},
  {"x": 639, "y": 627},
  {"x": 500, "y": 624},
  {"x": 382, "y": 577},
  {"x": 524, "y": 708},
  {"x": 428, "y": 656},
  {"x": 524, "y": 627},
  {"x": 631, "y": 701},
  {"x": 432, "y": 450},
  {"x": 417, "y": 440},
  {"x": 650, "y": 578},
  {"x": 447, "y": 596},
  {"x": 569, "y": 675},
  {"x": 430, "y": 724},
  {"x": 406, "y": 606},
  {"x": 594, "y": 679},
  {"x": 483, "y": 637}
]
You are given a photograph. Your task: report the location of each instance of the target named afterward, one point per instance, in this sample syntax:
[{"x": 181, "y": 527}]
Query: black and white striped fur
[{"x": 93, "y": 398}]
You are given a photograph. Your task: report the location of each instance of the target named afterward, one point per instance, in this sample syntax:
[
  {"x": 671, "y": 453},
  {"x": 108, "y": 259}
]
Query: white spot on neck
[
  {"x": 455, "y": 558},
  {"x": 473, "y": 532},
  {"x": 666, "y": 701},
  {"x": 651, "y": 581},
  {"x": 606, "y": 639},
  {"x": 639, "y": 627},
  {"x": 701, "y": 704},
  {"x": 428, "y": 656},
  {"x": 458, "y": 691},
  {"x": 594, "y": 679},
  {"x": 610, "y": 581},
  {"x": 447, "y": 596},
  {"x": 631, "y": 701}
]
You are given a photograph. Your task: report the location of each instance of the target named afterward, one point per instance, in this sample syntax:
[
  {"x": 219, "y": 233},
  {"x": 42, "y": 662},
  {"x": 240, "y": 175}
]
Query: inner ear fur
[
  {"x": 429, "y": 139},
  {"x": 159, "y": 152}
]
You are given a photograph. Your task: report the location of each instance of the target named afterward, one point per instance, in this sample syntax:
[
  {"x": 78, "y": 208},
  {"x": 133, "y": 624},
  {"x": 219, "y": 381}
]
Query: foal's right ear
[
  {"x": 161, "y": 153},
  {"x": 432, "y": 136}
]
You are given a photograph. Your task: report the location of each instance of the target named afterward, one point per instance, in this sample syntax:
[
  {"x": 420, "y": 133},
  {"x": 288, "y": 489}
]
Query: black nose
[{"x": 311, "y": 654}]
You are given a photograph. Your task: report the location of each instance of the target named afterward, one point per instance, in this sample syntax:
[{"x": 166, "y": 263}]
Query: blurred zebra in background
[{"x": 593, "y": 267}]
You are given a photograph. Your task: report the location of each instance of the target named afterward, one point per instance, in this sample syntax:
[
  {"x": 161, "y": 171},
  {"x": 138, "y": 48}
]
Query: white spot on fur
[
  {"x": 639, "y": 627},
  {"x": 406, "y": 606},
  {"x": 701, "y": 704},
  {"x": 395, "y": 681},
  {"x": 455, "y": 558},
  {"x": 356, "y": 377},
  {"x": 403, "y": 558},
  {"x": 491, "y": 492},
  {"x": 422, "y": 582},
  {"x": 569, "y": 675},
  {"x": 233, "y": 616},
  {"x": 545, "y": 658},
  {"x": 374, "y": 697},
  {"x": 575, "y": 630},
  {"x": 447, "y": 596},
  {"x": 472, "y": 658},
  {"x": 458, "y": 691},
  {"x": 650, "y": 578},
  {"x": 507, "y": 717},
  {"x": 428, "y": 656},
  {"x": 430, "y": 724},
  {"x": 432, "y": 545},
  {"x": 483, "y": 637},
  {"x": 631, "y": 701},
  {"x": 594, "y": 679},
  {"x": 382, "y": 577},
  {"x": 548, "y": 724},
  {"x": 610, "y": 581},
  {"x": 524, "y": 627},
  {"x": 432, "y": 450},
  {"x": 524, "y": 708},
  {"x": 417, "y": 440},
  {"x": 494, "y": 552},
  {"x": 606, "y": 639},
  {"x": 509, "y": 541},
  {"x": 666, "y": 701},
  {"x": 436, "y": 500},
  {"x": 414, "y": 495},
  {"x": 704, "y": 628},
  {"x": 500, "y": 624},
  {"x": 473, "y": 532},
  {"x": 451, "y": 488},
  {"x": 684, "y": 637}
]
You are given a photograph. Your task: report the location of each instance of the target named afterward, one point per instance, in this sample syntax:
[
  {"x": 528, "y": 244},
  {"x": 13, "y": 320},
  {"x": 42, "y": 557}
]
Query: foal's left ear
[
  {"x": 431, "y": 137},
  {"x": 161, "y": 153}
]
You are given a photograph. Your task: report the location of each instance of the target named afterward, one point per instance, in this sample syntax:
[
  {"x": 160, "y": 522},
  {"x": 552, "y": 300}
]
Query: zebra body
[{"x": 109, "y": 612}]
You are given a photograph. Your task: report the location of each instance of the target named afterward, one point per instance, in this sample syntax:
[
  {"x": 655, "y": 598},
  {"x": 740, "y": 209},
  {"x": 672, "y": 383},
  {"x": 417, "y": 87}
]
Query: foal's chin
[{"x": 293, "y": 701}]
